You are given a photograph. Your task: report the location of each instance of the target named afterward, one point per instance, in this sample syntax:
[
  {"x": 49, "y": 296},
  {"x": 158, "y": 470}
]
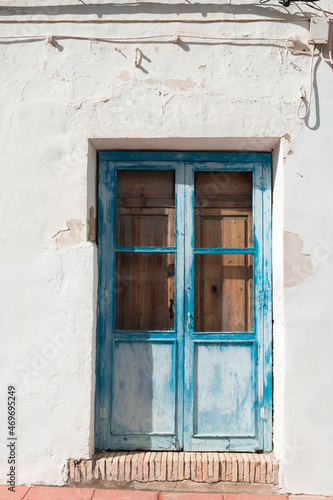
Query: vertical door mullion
[
  {"x": 267, "y": 320},
  {"x": 258, "y": 294},
  {"x": 179, "y": 309},
  {"x": 189, "y": 304},
  {"x": 106, "y": 209}
]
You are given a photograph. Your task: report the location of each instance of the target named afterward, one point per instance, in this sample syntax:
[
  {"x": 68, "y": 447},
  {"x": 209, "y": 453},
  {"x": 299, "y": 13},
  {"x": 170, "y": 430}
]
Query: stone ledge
[{"x": 168, "y": 466}]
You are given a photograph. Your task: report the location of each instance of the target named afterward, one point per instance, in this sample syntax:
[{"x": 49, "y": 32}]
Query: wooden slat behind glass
[
  {"x": 145, "y": 291},
  {"x": 223, "y": 293},
  {"x": 223, "y": 283},
  {"x": 144, "y": 295},
  {"x": 145, "y": 208},
  {"x": 223, "y": 209}
]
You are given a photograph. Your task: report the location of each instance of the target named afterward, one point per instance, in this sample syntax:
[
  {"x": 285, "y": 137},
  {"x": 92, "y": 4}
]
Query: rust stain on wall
[
  {"x": 297, "y": 265},
  {"x": 70, "y": 236},
  {"x": 92, "y": 225}
]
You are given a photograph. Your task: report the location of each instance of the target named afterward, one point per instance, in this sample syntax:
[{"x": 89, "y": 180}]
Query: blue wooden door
[{"x": 184, "y": 314}]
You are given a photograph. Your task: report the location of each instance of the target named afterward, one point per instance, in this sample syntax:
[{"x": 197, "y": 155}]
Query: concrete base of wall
[{"x": 177, "y": 471}]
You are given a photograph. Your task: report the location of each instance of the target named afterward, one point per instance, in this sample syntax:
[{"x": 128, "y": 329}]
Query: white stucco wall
[{"x": 62, "y": 102}]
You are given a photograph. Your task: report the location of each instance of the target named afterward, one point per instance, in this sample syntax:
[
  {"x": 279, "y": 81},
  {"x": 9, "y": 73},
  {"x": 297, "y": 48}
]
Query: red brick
[
  {"x": 152, "y": 466},
  {"x": 269, "y": 470},
  {"x": 229, "y": 466},
  {"x": 229, "y": 496},
  {"x": 252, "y": 468},
  {"x": 128, "y": 466},
  {"x": 125, "y": 495},
  {"x": 204, "y": 467},
  {"x": 257, "y": 476},
  {"x": 198, "y": 457},
  {"x": 158, "y": 466},
  {"x": 246, "y": 468},
  {"x": 49, "y": 493},
  {"x": 222, "y": 467},
  {"x": 275, "y": 473},
  {"x": 121, "y": 476},
  {"x": 240, "y": 467},
  {"x": 175, "y": 466},
  {"x": 115, "y": 467},
  {"x": 164, "y": 466},
  {"x": 90, "y": 474},
  {"x": 169, "y": 466},
  {"x": 216, "y": 467},
  {"x": 146, "y": 461},
  {"x": 181, "y": 465},
  {"x": 72, "y": 469},
  {"x": 190, "y": 496},
  {"x": 193, "y": 467},
  {"x": 210, "y": 458},
  {"x": 234, "y": 467},
  {"x": 187, "y": 470},
  {"x": 263, "y": 469},
  {"x": 20, "y": 491}
]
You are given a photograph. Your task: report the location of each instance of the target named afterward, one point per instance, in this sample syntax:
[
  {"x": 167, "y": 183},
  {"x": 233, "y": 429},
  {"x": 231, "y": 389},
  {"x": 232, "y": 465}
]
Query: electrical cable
[
  {"x": 165, "y": 37},
  {"x": 307, "y": 2},
  {"x": 317, "y": 8},
  {"x": 155, "y": 21},
  {"x": 297, "y": 52}
]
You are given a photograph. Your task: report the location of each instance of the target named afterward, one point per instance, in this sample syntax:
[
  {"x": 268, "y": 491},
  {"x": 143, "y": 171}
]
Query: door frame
[{"x": 262, "y": 297}]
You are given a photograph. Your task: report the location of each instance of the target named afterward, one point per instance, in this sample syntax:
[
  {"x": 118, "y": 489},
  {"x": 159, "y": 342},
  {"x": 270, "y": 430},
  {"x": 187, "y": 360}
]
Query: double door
[{"x": 184, "y": 320}]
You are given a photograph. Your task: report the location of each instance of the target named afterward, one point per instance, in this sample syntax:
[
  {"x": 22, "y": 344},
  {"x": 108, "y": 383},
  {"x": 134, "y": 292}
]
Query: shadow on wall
[{"x": 154, "y": 8}]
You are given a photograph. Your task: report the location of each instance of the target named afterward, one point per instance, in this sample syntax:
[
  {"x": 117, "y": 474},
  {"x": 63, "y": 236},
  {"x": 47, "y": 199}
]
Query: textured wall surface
[{"x": 64, "y": 100}]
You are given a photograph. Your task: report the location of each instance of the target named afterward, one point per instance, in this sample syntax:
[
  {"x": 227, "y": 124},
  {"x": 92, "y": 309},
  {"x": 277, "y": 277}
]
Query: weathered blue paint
[
  {"x": 146, "y": 249},
  {"x": 214, "y": 251},
  {"x": 205, "y": 391},
  {"x": 167, "y": 156}
]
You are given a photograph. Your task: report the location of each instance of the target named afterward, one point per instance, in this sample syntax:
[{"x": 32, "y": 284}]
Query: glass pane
[
  {"x": 145, "y": 291},
  {"x": 223, "y": 293},
  {"x": 223, "y": 209},
  {"x": 145, "y": 208}
]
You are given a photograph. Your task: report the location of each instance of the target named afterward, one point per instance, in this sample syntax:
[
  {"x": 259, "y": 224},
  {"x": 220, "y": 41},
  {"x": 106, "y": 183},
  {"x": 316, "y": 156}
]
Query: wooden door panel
[
  {"x": 143, "y": 387},
  {"x": 224, "y": 390}
]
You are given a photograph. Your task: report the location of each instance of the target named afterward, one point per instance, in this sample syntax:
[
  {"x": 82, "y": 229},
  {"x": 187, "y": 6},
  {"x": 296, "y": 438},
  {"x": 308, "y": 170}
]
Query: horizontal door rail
[
  {"x": 227, "y": 336},
  {"x": 146, "y": 249},
  {"x": 214, "y": 251},
  {"x": 182, "y": 156},
  {"x": 145, "y": 335}
]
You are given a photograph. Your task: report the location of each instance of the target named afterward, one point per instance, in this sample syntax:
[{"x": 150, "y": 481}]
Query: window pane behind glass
[
  {"x": 145, "y": 291},
  {"x": 223, "y": 209},
  {"x": 145, "y": 208},
  {"x": 223, "y": 293}
]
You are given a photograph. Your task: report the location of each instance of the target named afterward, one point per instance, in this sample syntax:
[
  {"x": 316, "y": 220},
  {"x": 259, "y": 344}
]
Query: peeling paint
[
  {"x": 71, "y": 236},
  {"x": 124, "y": 76},
  {"x": 297, "y": 265},
  {"x": 180, "y": 84}
]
